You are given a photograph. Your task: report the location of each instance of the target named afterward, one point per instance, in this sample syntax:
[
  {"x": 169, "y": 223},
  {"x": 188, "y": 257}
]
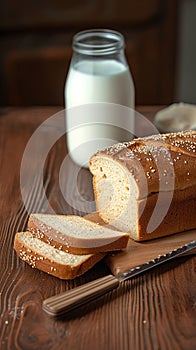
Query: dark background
[{"x": 36, "y": 37}]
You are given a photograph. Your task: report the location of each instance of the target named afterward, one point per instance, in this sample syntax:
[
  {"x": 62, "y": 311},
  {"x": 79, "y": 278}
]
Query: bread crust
[
  {"x": 160, "y": 164},
  {"x": 164, "y": 156},
  {"x": 39, "y": 261},
  {"x": 180, "y": 216},
  {"x": 67, "y": 243}
]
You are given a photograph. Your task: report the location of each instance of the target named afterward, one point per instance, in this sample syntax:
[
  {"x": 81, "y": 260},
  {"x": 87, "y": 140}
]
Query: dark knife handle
[{"x": 71, "y": 299}]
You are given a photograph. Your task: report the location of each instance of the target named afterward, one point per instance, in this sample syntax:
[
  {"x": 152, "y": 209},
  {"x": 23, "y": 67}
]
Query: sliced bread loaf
[
  {"x": 147, "y": 186},
  {"x": 75, "y": 234},
  {"x": 43, "y": 256}
]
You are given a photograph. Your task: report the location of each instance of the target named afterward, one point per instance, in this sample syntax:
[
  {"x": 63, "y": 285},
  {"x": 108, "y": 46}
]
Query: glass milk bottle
[{"x": 98, "y": 84}]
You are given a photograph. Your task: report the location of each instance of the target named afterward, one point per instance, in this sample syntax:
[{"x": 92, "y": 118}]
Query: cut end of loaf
[{"x": 115, "y": 190}]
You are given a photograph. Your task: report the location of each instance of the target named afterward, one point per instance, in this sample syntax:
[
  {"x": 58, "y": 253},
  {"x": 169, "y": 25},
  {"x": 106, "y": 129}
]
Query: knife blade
[{"x": 67, "y": 301}]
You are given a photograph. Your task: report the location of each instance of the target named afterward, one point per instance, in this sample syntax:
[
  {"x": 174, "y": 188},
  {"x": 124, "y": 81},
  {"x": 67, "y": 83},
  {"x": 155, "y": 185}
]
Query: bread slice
[
  {"x": 147, "y": 186},
  {"x": 43, "y": 256},
  {"x": 75, "y": 234}
]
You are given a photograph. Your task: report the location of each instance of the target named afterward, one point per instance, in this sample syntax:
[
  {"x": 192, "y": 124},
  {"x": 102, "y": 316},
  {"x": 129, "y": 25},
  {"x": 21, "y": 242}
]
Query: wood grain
[
  {"x": 36, "y": 46},
  {"x": 67, "y": 13},
  {"x": 153, "y": 311}
]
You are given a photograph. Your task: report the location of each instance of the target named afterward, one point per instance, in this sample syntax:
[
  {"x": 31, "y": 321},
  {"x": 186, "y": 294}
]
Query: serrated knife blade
[
  {"x": 67, "y": 301},
  {"x": 157, "y": 261}
]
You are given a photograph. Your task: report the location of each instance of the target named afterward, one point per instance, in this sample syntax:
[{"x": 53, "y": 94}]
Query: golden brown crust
[
  {"x": 180, "y": 216},
  {"x": 41, "y": 262},
  {"x": 67, "y": 244},
  {"x": 170, "y": 158},
  {"x": 160, "y": 164}
]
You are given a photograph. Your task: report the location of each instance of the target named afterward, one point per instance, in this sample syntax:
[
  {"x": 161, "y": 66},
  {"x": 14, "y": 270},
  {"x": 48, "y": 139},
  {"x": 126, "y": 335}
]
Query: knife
[{"x": 67, "y": 301}]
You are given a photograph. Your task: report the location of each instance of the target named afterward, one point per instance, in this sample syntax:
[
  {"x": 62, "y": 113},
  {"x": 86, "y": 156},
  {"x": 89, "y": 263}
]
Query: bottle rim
[{"x": 98, "y": 42}]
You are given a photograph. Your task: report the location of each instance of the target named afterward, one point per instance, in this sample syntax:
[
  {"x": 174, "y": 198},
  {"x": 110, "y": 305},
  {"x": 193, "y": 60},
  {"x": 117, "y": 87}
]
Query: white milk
[{"x": 89, "y": 82}]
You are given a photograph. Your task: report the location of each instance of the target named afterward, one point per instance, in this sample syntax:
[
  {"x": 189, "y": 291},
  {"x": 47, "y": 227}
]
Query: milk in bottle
[{"x": 99, "y": 82}]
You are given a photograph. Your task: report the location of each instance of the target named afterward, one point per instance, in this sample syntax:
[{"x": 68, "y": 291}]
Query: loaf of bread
[
  {"x": 75, "y": 234},
  {"x": 147, "y": 186},
  {"x": 43, "y": 256}
]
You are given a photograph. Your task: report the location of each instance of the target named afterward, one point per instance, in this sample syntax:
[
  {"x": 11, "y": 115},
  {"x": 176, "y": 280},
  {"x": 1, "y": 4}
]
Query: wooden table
[{"x": 153, "y": 311}]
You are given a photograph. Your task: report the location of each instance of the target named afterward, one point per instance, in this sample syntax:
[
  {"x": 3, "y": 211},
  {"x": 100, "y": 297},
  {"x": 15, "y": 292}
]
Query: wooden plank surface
[
  {"x": 138, "y": 253},
  {"x": 36, "y": 45},
  {"x": 153, "y": 311}
]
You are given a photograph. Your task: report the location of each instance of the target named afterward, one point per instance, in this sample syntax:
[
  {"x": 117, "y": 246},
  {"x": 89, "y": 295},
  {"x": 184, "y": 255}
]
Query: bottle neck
[{"x": 98, "y": 42}]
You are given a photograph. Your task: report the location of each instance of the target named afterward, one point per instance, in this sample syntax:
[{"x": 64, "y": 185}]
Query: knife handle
[{"x": 71, "y": 299}]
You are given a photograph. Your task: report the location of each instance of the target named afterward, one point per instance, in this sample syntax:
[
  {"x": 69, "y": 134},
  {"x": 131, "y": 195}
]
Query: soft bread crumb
[
  {"x": 50, "y": 252},
  {"x": 46, "y": 258},
  {"x": 115, "y": 194},
  {"x": 75, "y": 234}
]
